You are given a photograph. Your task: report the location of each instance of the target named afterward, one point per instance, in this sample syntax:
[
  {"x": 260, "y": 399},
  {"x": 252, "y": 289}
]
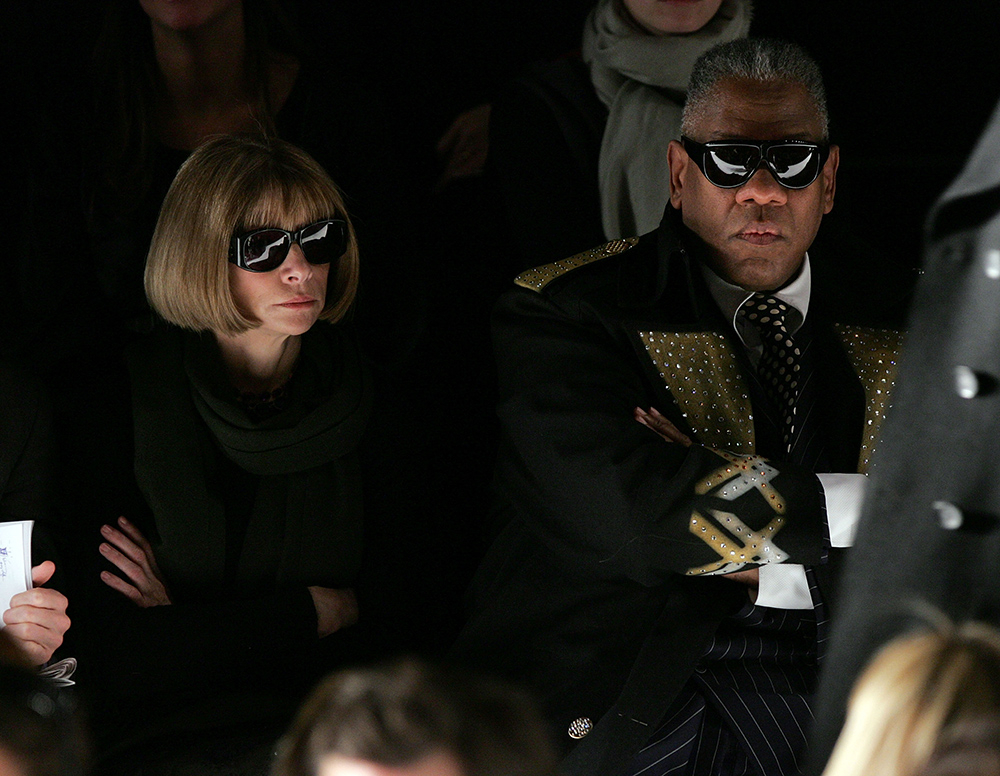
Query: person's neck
[
  {"x": 204, "y": 78},
  {"x": 256, "y": 361}
]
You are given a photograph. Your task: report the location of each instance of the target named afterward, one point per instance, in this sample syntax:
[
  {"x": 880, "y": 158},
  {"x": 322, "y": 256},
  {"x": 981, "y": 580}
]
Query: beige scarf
[{"x": 642, "y": 79}]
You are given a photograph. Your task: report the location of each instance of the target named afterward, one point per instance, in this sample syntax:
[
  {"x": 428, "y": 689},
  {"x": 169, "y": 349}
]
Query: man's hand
[
  {"x": 655, "y": 421},
  {"x": 36, "y": 619},
  {"x": 750, "y": 578},
  {"x": 132, "y": 554},
  {"x": 464, "y": 145},
  {"x": 662, "y": 426},
  {"x": 335, "y": 609}
]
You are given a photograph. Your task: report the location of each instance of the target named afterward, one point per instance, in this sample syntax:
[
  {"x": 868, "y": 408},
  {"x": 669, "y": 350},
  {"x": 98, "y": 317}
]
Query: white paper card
[{"x": 15, "y": 561}]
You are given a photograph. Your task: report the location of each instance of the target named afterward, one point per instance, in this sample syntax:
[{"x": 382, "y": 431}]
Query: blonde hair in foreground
[
  {"x": 232, "y": 184},
  {"x": 917, "y": 685}
]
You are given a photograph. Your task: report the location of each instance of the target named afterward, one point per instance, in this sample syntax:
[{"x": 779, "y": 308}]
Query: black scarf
[{"x": 304, "y": 523}]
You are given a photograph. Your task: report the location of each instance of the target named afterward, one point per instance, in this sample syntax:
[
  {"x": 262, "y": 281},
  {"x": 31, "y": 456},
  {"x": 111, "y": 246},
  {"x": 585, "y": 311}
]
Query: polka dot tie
[{"x": 779, "y": 366}]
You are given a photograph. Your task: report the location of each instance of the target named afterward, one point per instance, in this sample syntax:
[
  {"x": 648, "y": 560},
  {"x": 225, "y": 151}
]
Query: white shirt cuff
[
  {"x": 844, "y": 494},
  {"x": 783, "y": 586}
]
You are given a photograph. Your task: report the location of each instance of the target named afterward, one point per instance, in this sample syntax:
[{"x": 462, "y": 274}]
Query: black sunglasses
[
  {"x": 263, "y": 250},
  {"x": 795, "y": 164}
]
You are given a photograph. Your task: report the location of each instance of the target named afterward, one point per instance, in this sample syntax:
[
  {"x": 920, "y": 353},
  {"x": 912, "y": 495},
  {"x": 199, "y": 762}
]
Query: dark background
[{"x": 910, "y": 84}]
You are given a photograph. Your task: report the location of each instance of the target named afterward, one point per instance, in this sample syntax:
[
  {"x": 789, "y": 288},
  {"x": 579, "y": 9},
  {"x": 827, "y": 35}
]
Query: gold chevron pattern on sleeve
[{"x": 733, "y": 541}]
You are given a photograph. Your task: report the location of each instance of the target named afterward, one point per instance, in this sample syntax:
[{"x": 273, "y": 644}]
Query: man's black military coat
[{"x": 602, "y": 589}]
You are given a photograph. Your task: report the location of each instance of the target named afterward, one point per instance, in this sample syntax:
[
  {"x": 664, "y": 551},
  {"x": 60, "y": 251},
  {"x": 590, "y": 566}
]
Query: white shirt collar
[{"x": 730, "y": 298}]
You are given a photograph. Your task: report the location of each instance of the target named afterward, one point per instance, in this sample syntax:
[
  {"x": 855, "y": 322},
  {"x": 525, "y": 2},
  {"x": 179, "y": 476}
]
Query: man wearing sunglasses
[{"x": 664, "y": 403}]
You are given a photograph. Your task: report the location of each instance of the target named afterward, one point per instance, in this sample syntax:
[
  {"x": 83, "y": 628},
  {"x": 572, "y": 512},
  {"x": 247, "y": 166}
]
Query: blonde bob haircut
[
  {"x": 228, "y": 185},
  {"x": 914, "y": 688}
]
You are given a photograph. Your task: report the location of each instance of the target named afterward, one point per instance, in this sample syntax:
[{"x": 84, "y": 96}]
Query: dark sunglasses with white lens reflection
[
  {"x": 795, "y": 164},
  {"x": 263, "y": 250}
]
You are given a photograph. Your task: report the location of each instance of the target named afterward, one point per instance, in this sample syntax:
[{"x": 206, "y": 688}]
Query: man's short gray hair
[{"x": 755, "y": 59}]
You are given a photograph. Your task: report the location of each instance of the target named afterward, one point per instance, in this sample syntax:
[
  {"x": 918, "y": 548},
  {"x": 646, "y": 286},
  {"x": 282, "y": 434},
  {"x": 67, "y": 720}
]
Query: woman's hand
[
  {"x": 335, "y": 609},
  {"x": 131, "y": 553},
  {"x": 36, "y": 619},
  {"x": 655, "y": 421}
]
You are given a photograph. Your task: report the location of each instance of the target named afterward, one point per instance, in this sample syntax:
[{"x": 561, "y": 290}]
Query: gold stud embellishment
[
  {"x": 701, "y": 372},
  {"x": 874, "y": 355},
  {"x": 536, "y": 279}
]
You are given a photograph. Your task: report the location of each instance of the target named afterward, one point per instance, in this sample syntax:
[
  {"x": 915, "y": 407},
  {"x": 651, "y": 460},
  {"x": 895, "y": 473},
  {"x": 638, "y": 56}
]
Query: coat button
[
  {"x": 966, "y": 382},
  {"x": 948, "y": 514},
  {"x": 991, "y": 264},
  {"x": 578, "y": 728}
]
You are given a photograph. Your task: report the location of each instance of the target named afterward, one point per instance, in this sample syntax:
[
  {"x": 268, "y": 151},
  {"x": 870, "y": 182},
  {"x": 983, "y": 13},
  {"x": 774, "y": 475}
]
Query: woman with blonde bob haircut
[
  {"x": 915, "y": 687},
  {"x": 227, "y": 587},
  {"x": 256, "y": 182}
]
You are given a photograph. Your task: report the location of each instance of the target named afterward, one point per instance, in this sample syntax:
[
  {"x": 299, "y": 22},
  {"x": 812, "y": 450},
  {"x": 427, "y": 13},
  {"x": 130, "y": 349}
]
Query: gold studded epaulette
[{"x": 536, "y": 279}]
